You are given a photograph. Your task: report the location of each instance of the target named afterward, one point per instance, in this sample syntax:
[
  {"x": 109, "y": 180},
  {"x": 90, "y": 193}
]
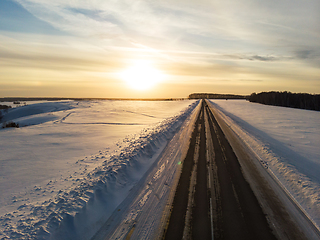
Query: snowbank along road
[{"x": 213, "y": 199}]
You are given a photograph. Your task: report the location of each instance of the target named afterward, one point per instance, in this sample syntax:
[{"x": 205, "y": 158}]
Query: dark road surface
[{"x": 218, "y": 203}]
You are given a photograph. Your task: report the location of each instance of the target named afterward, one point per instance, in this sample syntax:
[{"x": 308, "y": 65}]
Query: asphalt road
[{"x": 213, "y": 200}]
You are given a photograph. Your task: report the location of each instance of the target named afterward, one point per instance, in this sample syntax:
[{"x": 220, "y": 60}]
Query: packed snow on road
[{"x": 287, "y": 143}]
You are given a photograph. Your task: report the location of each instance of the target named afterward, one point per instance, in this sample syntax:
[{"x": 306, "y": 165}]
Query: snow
[
  {"x": 147, "y": 207},
  {"x": 74, "y": 166},
  {"x": 287, "y": 143},
  {"x": 68, "y": 158}
]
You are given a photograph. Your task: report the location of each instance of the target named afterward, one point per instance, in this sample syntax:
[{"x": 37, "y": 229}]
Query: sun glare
[{"x": 142, "y": 75}]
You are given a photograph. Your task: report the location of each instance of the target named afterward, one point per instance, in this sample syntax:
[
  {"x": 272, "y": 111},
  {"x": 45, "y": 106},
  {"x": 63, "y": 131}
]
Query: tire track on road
[{"x": 224, "y": 206}]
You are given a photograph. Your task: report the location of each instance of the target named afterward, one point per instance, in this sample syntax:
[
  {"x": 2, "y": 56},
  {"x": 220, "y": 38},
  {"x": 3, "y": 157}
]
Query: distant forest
[
  {"x": 288, "y": 99},
  {"x": 4, "y": 107},
  {"x": 215, "y": 96}
]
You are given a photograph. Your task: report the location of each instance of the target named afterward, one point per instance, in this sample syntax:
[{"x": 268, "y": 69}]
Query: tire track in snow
[{"x": 93, "y": 123}]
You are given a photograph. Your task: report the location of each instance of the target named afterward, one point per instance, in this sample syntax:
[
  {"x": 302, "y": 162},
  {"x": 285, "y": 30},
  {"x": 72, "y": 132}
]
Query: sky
[{"x": 116, "y": 48}]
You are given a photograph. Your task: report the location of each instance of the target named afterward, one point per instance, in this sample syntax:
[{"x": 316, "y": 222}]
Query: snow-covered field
[
  {"x": 52, "y": 166},
  {"x": 287, "y": 142},
  {"x": 69, "y": 158}
]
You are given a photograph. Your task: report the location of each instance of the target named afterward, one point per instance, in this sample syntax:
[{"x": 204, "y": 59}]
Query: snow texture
[
  {"x": 70, "y": 164},
  {"x": 287, "y": 142}
]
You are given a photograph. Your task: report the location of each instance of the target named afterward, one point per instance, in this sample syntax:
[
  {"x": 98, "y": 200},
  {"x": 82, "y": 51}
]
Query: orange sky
[{"x": 82, "y": 48}]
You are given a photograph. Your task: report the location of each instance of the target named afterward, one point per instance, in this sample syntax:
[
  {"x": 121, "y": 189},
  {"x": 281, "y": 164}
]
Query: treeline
[
  {"x": 4, "y": 107},
  {"x": 288, "y": 99},
  {"x": 215, "y": 96}
]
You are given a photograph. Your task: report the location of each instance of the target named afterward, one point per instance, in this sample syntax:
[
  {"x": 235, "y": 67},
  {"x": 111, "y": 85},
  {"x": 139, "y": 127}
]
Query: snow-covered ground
[
  {"x": 287, "y": 142},
  {"x": 69, "y": 158},
  {"x": 52, "y": 167}
]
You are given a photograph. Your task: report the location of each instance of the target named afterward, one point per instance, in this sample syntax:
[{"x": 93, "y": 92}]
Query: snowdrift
[{"x": 25, "y": 115}]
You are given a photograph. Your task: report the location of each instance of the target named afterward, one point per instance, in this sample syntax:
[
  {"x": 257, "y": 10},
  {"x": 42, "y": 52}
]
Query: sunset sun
[{"x": 142, "y": 75}]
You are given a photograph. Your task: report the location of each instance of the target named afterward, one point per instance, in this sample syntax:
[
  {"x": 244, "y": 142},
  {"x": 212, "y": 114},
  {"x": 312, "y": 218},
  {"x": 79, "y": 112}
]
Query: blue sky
[{"x": 79, "y": 48}]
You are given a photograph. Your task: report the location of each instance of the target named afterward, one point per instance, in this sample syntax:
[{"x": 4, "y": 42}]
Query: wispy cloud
[
  {"x": 190, "y": 39},
  {"x": 189, "y": 24},
  {"x": 56, "y": 53},
  {"x": 255, "y": 57}
]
